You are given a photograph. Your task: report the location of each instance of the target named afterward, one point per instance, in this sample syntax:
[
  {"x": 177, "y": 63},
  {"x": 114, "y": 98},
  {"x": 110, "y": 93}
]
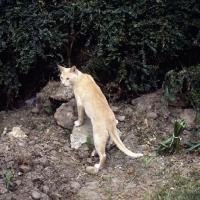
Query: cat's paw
[
  {"x": 78, "y": 123},
  {"x": 96, "y": 166}
]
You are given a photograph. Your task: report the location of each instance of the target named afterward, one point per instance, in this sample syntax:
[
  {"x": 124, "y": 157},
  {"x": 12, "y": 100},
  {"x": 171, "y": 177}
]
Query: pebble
[
  {"x": 35, "y": 195},
  {"x": 75, "y": 186},
  {"x": 89, "y": 160},
  {"x": 31, "y": 142},
  {"x": 25, "y": 168},
  {"x": 43, "y": 161},
  {"x": 66, "y": 148},
  {"x": 53, "y": 152},
  {"x": 128, "y": 110},
  {"x": 114, "y": 108},
  {"x": 121, "y": 118},
  {"x": 3, "y": 190},
  {"x": 91, "y": 170},
  {"x": 2, "y": 181},
  {"x": 35, "y": 110},
  {"x": 45, "y": 189},
  {"x": 44, "y": 197},
  {"x": 18, "y": 182}
]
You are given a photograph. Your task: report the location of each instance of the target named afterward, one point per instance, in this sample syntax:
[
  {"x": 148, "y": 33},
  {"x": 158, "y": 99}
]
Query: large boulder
[
  {"x": 52, "y": 91},
  {"x": 66, "y": 114}
]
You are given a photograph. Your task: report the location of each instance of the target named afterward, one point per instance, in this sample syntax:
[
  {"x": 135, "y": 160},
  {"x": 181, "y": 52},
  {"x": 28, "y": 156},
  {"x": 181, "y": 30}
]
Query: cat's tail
[{"x": 121, "y": 146}]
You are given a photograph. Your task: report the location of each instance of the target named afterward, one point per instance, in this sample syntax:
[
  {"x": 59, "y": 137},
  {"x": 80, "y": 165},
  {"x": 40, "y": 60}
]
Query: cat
[{"x": 90, "y": 100}]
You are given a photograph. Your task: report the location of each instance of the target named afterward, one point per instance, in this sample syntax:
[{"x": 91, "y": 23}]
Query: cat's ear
[
  {"x": 60, "y": 68},
  {"x": 73, "y": 69}
]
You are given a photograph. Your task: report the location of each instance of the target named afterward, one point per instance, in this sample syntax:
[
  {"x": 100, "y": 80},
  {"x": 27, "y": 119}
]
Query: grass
[
  {"x": 89, "y": 143},
  {"x": 8, "y": 176},
  {"x": 177, "y": 187}
]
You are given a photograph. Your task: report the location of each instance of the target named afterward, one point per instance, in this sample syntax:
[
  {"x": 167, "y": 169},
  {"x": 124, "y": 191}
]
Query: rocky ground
[{"x": 42, "y": 164}]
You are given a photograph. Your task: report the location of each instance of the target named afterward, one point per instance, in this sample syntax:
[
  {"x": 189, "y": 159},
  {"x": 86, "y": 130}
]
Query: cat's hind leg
[{"x": 100, "y": 139}]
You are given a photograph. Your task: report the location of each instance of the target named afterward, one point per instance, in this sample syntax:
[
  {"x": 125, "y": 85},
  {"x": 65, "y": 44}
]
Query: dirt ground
[{"x": 43, "y": 166}]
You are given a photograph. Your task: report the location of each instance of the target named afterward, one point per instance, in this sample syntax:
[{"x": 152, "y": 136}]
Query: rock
[
  {"x": 17, "y": 133},
  {"x": 44, "y": 197},
  {"x": 42, "y": 161},
  {"x": 45, "y": 189},
  {"x": 3, "y": 190},
  {"x": 62, "y": 93},
  {"x": 79, "y": 135},
  {"x": 90, "y": 191},
  {"x": 152, "y": 115},
  {"x": 53, "y": 152},
  {"x": 18, "y": 182},
  {"x": 2, "y": 181},
  {"x": 121, "y": 118},
  {"x": 91, "y": 170},
  {"x": 114, "y": 109},
  {"x": 66, "y": 114},
  {"x": 66, "y": 148},
  {"x": 89, "y": 160},
  {"x": 36, "y": 195},
  {"x": 25, "y": 168},
  {"x": 189, "y": 116},
  {"x": 128, "y": 110},
  {"x": 53, "y": 90},
  {"x": 37, "y": 109},
  {"x": 4, "y": 131},
  {"x": 75, "y": 186}
]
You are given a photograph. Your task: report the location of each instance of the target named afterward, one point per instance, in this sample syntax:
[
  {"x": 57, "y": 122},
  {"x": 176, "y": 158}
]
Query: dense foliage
[{"x": 132, "y": 44}]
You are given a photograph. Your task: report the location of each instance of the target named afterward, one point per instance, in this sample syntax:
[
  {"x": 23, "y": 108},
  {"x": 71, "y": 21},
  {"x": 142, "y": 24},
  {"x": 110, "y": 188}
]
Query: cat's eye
[
  {"x": 67, "y": 78},
  {"x": 61, "y": 78}
]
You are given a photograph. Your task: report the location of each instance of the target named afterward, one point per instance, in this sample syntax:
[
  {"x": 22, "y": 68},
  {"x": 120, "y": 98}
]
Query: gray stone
[
  {"x": 189, "y": 116},
  {"x": 79, "y": 135},
  {"x": 75, "y": 186},
  {"x": 36, "y": 195},
  {"x": 45, "y": 189},
  {"x": 66, "y": 148},
  {"x": 3, "y": 190},
  {"x": 25, "y": 168},
  {"x": 121, "y": 118},
  {"x": 18, "y": 182},
  {"x": 91, "y": 170},
  {"x": 62, "y": 93},
  {"x": 152, "y": 115},
  {"x": 90, "y": 191},
  {"x": 114, "y": 109},
  {"x": 42, "y": 161},
  {"x": 66, "y": 114},
  {"x": 89, "y": 160},
  {"x": 128, "y": 110},
  {"x": 44, "y": 197},
  {"x": 53, "y": 90},
  {"x": 2, "y": 181}
]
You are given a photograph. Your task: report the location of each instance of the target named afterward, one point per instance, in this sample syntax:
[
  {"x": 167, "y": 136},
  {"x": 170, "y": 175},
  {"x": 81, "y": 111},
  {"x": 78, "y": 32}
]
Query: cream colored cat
[{"x": 90, "y": 100}]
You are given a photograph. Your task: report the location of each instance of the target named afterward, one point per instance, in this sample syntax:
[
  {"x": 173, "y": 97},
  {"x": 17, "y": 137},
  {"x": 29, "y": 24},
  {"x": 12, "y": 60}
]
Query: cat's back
[
  {"x": 87, "y": 83},
  {"x": 88, "y": 89}
]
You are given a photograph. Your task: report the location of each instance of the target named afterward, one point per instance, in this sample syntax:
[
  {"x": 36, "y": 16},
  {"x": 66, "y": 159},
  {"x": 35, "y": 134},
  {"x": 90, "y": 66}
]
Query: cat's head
[{"x": 68, "y": 76}]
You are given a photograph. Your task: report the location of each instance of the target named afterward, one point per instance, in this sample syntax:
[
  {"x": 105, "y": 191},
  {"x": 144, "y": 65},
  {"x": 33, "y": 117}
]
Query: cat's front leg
[{"x": 81, "y": 113}]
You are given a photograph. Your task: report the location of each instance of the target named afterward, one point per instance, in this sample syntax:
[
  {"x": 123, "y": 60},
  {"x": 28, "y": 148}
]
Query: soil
[{"x": 43, "y": 166}]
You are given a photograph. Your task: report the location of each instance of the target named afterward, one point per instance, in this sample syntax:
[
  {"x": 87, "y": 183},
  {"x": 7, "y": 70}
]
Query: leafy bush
[
  {"x": 185, "y": 81},
  {"x": 130, "y": 44}
]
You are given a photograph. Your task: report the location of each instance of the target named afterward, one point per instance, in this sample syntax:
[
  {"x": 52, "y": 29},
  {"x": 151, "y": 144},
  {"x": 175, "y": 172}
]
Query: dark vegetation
[{"x": 137, "y": 45}]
